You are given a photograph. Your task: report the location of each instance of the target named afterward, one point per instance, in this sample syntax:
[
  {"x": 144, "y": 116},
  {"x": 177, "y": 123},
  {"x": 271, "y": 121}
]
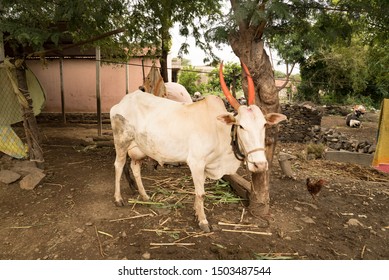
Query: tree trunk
[
  {"x": 251, "y": 51},
  {"x": 163, "y": 62},
  {"x": 29, "y": 121},
  {"x": 165, "y": 47}
]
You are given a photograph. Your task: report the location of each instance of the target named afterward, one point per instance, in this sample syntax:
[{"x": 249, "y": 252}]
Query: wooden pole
[
  {"x": 98, "y": 91},
  {"x": 126, "y": 77},
  {"x": 143, "y": 70},
  {"x": 2, "y": 53},
  {"x": 29, "y": 122},
  {"x": 241, "y": 186},
  {"x": 62, "y": 89}
]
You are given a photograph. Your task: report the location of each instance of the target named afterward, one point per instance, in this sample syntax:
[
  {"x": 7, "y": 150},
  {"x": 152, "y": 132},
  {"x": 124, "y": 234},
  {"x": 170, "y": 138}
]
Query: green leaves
[
  {"x": 188, "y": 78},
  {"x": 33, "y": 24}
]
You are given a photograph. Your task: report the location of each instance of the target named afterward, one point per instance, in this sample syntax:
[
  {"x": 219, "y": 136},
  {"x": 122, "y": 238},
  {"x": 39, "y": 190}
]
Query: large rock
[
  {"x": 8, "y": 177},
  {"x": 31, "y": 180},
  {"x": 25, "y": 167}
]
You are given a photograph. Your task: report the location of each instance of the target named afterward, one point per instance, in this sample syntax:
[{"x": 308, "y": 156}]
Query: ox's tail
[{"x": 129, "y": 176}]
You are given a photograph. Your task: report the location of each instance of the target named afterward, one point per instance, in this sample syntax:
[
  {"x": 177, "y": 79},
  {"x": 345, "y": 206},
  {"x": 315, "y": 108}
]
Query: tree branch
[
  {"x": 288, "y": 73},
  {"x": 262, "y": 25},
  {"x": 93, "y": 39}
]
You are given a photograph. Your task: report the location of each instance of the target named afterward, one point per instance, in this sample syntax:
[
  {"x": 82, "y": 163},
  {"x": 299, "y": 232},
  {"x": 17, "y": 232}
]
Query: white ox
[{"x": 198, "y": 134}]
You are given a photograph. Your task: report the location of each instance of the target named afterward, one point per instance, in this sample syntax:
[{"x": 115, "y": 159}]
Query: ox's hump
[{"x": 214, "y": 103}]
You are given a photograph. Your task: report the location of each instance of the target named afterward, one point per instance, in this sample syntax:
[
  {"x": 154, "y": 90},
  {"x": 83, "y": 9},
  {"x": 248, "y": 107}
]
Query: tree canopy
[
  {"x": 341, "y": 46},
  {"x": 38, "y": 25},
  {"x": 145, "y": 24},
  {"x": 350, "y": 34}
]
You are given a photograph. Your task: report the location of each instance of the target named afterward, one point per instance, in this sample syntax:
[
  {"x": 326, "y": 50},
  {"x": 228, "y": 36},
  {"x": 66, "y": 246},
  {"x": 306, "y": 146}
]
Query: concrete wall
[{"x": 80, "y": 83}]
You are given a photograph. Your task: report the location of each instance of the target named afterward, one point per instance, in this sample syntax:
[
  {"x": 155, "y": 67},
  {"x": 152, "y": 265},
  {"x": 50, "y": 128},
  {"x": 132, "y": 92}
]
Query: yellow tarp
[
  {"x": 381, "y": 155},
  {"x": 11, "y": 144},
  {"x": 11, "y": 101}
]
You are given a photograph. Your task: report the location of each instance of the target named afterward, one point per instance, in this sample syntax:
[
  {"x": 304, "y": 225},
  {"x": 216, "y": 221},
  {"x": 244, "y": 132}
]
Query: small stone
[
  {"x": 89, "y": 224},
  {"x": 308, "y": 220},
  {"x": 146, "y": 256},
  {"x": 79, "y": 230},
  {"x": 298, "y": 208},
  {"x": 354, "y": 222},
  {"x": 287, "y": 238}
]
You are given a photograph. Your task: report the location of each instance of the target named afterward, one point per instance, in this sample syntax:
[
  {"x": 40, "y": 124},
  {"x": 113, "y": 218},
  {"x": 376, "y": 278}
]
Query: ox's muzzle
[
  {"x": 255, "y": 164},
  {"x": 256, "y": 167}
]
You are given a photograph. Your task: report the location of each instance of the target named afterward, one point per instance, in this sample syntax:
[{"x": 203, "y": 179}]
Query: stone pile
[
  {"x": 338, "y": 141},
  {"x": 301, "y": 121},
  {"x": 304, "y": 125},
  {"x": 26, "y": 172}
]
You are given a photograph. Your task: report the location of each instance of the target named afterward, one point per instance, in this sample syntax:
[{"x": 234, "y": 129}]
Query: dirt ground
[{"x": 71, "y": 214}]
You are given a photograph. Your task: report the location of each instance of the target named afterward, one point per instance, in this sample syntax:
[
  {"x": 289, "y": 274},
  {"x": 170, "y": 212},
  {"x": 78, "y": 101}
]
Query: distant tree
[
  {"x": 189, "y": 77},
  {"x": 342, "y": 49},
  {"x": 185, "y": 62},
  {"x": 152, "y": 21},
  {"x": 279, "y": 74},
  {"x": 232, "y": 76}
]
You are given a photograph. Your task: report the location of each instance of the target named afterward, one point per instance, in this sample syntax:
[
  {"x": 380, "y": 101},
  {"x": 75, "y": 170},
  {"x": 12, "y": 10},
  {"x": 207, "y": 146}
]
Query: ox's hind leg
[
  {"x": 120, "y": 161},
  {"x": 198, "y": 180},
  {"x": 135, "y": 167}
]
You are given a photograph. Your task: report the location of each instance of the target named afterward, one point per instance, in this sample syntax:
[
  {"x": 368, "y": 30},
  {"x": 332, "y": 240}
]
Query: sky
[{"x": 196, "y": 55}]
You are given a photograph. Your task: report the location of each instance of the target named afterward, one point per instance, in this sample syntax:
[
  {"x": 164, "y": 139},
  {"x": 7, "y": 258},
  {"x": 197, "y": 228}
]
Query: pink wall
[{"x": 80, "y": 83}]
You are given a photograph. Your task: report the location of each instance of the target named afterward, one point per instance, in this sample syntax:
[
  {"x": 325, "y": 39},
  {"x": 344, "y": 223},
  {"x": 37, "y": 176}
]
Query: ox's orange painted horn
[
  {"x": 250, "y": 86},
  {"x": 234, "y": 103}
]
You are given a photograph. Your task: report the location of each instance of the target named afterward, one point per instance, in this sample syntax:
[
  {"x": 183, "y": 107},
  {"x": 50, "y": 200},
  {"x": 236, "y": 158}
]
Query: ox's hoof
[
  {"x": 204, "y": 227},
  {"x": 119, "y": 203},
  {"x": 145, "y": 197}
]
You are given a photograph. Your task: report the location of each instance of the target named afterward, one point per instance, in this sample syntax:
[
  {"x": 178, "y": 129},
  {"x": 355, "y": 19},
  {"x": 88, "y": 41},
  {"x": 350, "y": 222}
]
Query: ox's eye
[{"x": 241, "y": 127}]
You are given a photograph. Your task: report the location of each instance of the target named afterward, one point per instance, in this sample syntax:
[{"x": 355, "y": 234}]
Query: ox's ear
[
  {"x": 274, "y": 118},
  {"x": 227, "y": 119}
]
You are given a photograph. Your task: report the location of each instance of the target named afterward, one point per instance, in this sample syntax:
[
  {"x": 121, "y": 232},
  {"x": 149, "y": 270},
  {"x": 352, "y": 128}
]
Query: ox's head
[{"x": 249, "y": 124}]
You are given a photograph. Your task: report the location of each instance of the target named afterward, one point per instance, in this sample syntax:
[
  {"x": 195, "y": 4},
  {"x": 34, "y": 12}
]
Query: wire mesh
[{"x": 10, "y": 114}]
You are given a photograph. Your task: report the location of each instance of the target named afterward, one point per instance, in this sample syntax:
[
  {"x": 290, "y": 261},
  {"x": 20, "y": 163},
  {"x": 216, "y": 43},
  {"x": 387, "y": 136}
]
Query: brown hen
[{"x": 314, "y": 188}]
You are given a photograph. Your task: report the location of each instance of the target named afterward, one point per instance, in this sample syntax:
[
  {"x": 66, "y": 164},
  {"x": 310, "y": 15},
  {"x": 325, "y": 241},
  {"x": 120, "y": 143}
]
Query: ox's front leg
[
  {"x": 198, "y": 180},
  {"x": 135, "y": 166}
]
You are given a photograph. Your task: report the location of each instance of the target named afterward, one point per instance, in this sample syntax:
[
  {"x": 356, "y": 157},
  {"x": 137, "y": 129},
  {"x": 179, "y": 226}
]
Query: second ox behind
[{"x": 198, "y": 134}]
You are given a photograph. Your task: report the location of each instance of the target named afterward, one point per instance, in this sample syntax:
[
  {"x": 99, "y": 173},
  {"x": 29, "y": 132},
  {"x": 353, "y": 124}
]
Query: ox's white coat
[{"x": 198, "y": 134}]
